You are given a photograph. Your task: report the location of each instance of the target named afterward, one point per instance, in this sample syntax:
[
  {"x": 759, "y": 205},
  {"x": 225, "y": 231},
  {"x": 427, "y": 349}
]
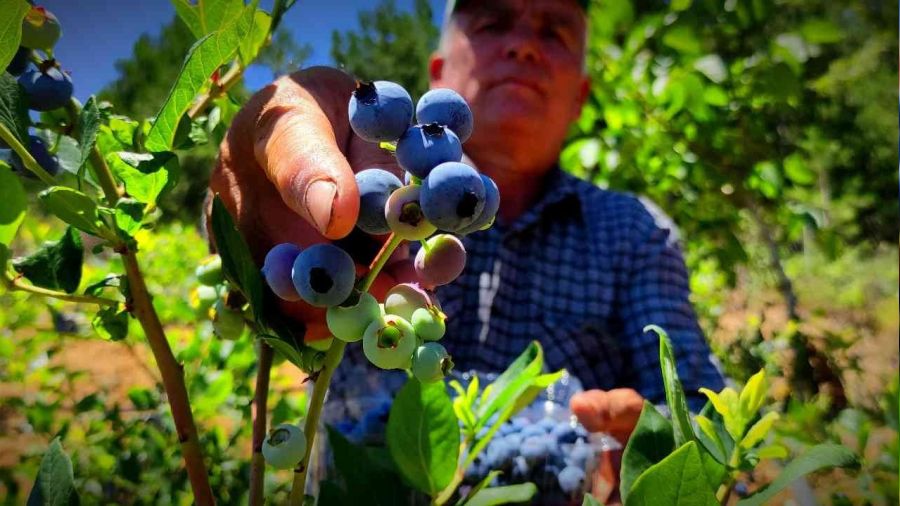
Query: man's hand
[
  {"x": 615, "y": 412},
  {"x": 286, "y": 173}
]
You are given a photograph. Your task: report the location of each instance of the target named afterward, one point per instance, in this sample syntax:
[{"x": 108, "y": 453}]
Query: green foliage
[
  {"x": 651, "y": 441},
  {"x": 423, "y": 435},
  {"x": 54, "y": 485},
  {"x": 389, "y": 45},
  {"x": 509, "y": 494},
  {"x": 12, "y": 212},
  {"x": 57, "y": 265},
  {"x": 11, "y": 28},
  {"x": 678, "y": 479},
  {"x": 13, "y": 109}
]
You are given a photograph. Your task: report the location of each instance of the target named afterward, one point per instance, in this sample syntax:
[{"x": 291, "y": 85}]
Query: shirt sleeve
[{"x": 655, "y": 290}]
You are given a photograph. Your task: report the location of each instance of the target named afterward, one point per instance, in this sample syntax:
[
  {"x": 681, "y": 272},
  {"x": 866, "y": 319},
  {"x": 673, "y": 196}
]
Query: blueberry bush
[{"x": 92, "y": 180}]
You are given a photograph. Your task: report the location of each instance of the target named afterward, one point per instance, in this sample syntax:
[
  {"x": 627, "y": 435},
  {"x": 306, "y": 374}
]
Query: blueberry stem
[
  {"x": 389, "y": 146},
  {"x": 15, "y": 283},
  {"x": 260, "y": 400},
  {"x": 30, "y": 163},
  {"x": 320, "y": 386}
]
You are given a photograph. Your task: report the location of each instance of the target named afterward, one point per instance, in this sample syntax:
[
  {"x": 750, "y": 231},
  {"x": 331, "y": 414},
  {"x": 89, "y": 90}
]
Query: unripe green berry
[
  {"x": 403, "y": 299},
  {"x": 321, "y": 344},
  {"x": 349, "y": 322},
  {"x": 389, "y": 342},
  {"x": 209, "y": 272},
  {"x": 284, "y": 447},
  {"x": 40, "y": 29},
  {"x": 431, "y": 362},
  {"x": 227, "y": 323},
  {"x": 429, "y": 323},
  {"x": 404, "y": 215}
]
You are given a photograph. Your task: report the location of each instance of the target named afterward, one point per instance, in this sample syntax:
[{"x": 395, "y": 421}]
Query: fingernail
[{"x": 319, "y": 202}]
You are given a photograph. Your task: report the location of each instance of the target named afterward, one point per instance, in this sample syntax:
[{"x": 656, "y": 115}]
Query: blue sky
[{"x": 96, "y": 33}]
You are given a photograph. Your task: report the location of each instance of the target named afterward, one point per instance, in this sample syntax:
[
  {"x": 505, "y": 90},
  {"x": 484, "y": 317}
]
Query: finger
[
  {"x": 615, "y": 412},
  {"x": 299, "y": 141}
]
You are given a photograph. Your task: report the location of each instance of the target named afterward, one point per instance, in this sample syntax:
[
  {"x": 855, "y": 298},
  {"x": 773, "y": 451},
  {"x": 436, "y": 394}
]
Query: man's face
[{"x": 518, "y": 63}]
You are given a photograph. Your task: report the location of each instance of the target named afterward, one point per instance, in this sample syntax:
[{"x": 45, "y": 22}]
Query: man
[{"x": 579, "y": 268}]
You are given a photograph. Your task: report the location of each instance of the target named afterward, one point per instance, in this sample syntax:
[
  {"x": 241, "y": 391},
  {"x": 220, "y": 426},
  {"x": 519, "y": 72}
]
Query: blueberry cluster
[
  {"x": 440, "y": 193},
  {"x": 553, "y": 454},
  {"x": 45, "y": 86}
]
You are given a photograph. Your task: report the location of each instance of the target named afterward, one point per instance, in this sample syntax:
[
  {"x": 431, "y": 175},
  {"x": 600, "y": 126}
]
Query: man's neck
[{"x": 520, "y": 186}]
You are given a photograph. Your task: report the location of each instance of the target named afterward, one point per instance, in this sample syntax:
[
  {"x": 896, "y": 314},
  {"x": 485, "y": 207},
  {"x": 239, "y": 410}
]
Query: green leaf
[
  {"x": 680, "y": 5},
  {"x": 681, "y": 418},
  {"x": 479, "y": 486},
  {"x": 753, "y": 395},
  {"x": 759, "y": 430},
  {"x": 12, "y": 212},
  {"x": 286, "y": 349},
  {"x": 821, "y": 31},
  {"x": 143, "y": 398},
  {"x": 88, "y": 125},
  {"x": 710, "y": 440},
  {"x": 111, "y": 323},
  {"x": 368, "y": 475},
  {"x": 816, "y": 458},
  {"x": 651, "y": 442},
  {"x": 55, "y": 483},
  {"x": 11, "y": 28},
  {"x": 512, "y": 383},
  {"x": 796, "y": 168},
  {"x": 129, "y": 213},
  {"x": 727, "y": 404},
  {"x": 682, "y": 39},
  {"x": 14, "y": 108},
  {"x": 712, "y": 67},
  {"x": 538, "y": 385},
  {"x": 111, "y": 280},
  {"x": 509, "y": 494},
  {"x": 145, "y": 175},
  {"x": 590, "y": 501},
  {"x": 204, "y": 57},
  {"x": 423, "y": 435},
  {"x": 57, "y": 265},
  {"x": 677, "y": 480},
  {"x": 257, "y": 23},
  {"x": 206, "y": 16},
  {"x": 73, "y": 207},
  {"x": 236, "y": 259}
]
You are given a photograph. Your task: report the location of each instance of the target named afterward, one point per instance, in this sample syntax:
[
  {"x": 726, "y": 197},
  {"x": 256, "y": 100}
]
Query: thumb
[{"x": 295, "y": 144}]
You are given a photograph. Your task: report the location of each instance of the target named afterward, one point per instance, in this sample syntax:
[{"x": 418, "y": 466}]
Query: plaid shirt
[{"x": 583, "y": 271}]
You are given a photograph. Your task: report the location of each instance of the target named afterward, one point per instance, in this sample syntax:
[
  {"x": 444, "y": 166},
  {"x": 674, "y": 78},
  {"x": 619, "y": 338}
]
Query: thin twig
[
  {"x": 260, "y": 401},
  {"x": 15, "y": 283}
]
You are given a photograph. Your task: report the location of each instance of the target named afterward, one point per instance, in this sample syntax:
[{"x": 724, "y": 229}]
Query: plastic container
[{"x": 536, "y": 445}]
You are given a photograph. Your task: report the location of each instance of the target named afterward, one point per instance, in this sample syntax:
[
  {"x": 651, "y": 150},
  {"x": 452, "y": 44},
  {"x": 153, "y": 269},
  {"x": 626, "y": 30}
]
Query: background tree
[
  {"x": 389, "y": 45},
  {"x": 145, "y": 79}
]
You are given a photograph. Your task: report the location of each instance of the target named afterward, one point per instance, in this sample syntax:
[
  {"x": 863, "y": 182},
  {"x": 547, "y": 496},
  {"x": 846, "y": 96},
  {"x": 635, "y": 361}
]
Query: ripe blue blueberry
[
  {"x": 19, "y": 62},
  {"x": 446, "y": 107},
  {"x": 440, "y": 260},
  {"x": 453, "y": 196},
  {"x": 431, "y": 362},
  {"x": 564, "y": 433},
  {"x": 404, "y": 215},
  {"x": 428, "y": 323},
  {"x": 41, "y": 155},
  {"x": 500, "y": 453},
  {"x": 285, "y": 446},
  {"x": 547, "y": 424},
  {"x": 535, "y": 448},
  {"x": 380, "y": 111},
  {"x": 580, "y": 454},
  {"x": 323, "y": 275},
  {"x": 389, "y": 342},
  {"x": 520, "y": 470},
  {"x": 277, "y": 269},
  {"x": 571, "y": 479},
  {"x": 375, "y": 186},
  {"x": 423, "y": 147},
  {"x": 46, "y": 90},
  {"x": 40, "y": 29},
  {"x": 532, "y": 430},
  {"x": 491, "y": 206},
  {"x": 349, "y": 321}
]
